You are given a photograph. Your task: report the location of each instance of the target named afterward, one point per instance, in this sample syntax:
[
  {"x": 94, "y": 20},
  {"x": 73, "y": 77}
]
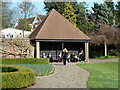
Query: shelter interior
[{"x": 55, "y": 47}]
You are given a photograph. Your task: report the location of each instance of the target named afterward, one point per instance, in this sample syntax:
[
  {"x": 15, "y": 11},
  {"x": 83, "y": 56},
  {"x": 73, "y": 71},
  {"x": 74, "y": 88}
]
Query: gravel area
[{"x": 69, "y": 76}]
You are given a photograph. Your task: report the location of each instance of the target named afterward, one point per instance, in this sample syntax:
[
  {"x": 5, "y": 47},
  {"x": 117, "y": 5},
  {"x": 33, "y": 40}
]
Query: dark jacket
[{"x": 64, "y": 55}]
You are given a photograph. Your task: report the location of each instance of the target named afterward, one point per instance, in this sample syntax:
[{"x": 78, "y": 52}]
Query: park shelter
[{"x": 54, "y": 33}]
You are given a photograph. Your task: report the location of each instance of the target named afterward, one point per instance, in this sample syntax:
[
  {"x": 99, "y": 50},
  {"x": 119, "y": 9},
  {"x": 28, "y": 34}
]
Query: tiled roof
[
  {"x": 29, "y": 19},
  {"x": 56, "y": 26}
]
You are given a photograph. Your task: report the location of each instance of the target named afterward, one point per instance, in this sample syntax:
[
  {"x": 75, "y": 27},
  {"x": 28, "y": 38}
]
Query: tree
[
  {"x": 78, "y": 8},
  {"x": 16, "y": 47},
  {"x": 110, "y": 5},
  {"x": 104, "y": 23},
  {"x": 26, "y": 9},
  {"x": 117, "y": 14},
  {"x": 69, "y": 13},
  {"x": 82, "y": 22},
  {"x": 101, "y": 14},
  {"x": 106, "y": 35},
  {"x": 7, "y": 15},
  {"x": 58, "y": 6}
]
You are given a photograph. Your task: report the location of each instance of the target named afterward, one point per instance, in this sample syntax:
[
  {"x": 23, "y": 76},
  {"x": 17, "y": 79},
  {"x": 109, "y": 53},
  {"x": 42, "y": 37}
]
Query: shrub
[
  {"x": 114, "y": 52},
  {"x": 9, "y": 69},
  {"x": 26, "y": 61},
  {"x": 24, "y": 77},
  {"x": 95, "y": 54}
]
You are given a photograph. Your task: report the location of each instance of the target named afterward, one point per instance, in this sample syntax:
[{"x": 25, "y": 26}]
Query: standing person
[
  {"x": 60, "y": 57},
  {"x": 50, "y": 57},
  {"x": 64, "y": 55},
  {"x": 81, "y": 55}
]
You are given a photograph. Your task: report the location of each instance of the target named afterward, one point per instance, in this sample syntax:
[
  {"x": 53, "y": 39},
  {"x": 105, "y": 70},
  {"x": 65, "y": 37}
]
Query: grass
[
  {"x": 102, "y": 75},
  {"x": 106, "y": 57},
  {"x": 40, "y": 69}
]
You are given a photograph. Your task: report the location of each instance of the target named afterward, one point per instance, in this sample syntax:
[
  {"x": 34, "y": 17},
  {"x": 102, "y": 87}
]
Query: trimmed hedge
[
  {"x": 9, "y": 69},
  {"x": 24, "y": 77},
  {"x": 26, "y": 61}
]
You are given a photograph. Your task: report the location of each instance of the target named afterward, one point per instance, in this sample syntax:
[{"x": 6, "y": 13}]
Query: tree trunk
[{"x": 105, "y": 48}]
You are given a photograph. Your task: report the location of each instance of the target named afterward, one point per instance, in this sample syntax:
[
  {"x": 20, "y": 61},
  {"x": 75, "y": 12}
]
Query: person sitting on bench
[
  {"x": 44, "y": 56},
  {"x": 60, "y": 57},
  {"x": 72, "y": 57},
  {"x": 50, "y": 57}
]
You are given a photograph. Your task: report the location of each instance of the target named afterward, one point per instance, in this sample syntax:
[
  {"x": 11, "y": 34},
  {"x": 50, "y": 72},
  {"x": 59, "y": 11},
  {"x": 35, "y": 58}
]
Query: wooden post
[
  {"x": 105, "y": 48},
  {"x": 87, "y": 51},
  {"x": 37, "y": 49},
  {"x": 62, "y": 46}
]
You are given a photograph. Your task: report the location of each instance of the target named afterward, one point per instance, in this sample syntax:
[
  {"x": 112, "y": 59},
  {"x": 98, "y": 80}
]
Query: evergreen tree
[
  {"x": 59, "y": 6},
  {"x": 117, "y": 15},
  {"x": 69, "y": 13},
  {"x": 78, "y": 8},
  {"x": 110, "y": 5},
  {"x": 82, "y": 22},
  {"x": 102, "y": 14}
]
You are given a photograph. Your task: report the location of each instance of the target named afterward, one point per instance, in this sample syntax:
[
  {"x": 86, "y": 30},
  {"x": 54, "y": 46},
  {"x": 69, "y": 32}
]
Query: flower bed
[{"x": 40, "y": 69}]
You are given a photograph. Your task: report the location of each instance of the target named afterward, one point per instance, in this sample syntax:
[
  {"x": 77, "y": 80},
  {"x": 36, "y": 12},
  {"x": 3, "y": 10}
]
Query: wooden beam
[
  {"x": 87, "y": 51},
  {"x": 37, "y": 49},
  {"x": 62, "y": 46}
]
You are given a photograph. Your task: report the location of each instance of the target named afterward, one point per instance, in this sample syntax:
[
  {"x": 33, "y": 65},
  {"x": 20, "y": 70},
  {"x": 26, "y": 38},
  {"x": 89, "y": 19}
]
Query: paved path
[
  {"x": 69, "y": 76},
  {"x": 106, "y": 60}
]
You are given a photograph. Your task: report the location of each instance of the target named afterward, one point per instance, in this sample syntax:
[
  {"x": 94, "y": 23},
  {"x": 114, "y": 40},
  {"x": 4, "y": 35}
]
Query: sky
[{"x": 40, "y": 5}]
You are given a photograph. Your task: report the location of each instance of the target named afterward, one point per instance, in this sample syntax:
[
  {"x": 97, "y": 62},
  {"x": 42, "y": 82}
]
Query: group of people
[
  {"x": 65, "y": 56},
  {"x": 49, "y": 56}
]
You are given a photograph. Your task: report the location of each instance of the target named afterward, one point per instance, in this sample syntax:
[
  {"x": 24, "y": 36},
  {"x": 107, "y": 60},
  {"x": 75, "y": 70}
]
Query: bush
[
  {"x": 114, "y": 52},
  {"x": 95, "y": 54},
  {"x": 24, "y": 77},
  {"x": 96, "y": 51},
  {"x": 9, "y": 69},
  {"x": 26, "y": 61}
]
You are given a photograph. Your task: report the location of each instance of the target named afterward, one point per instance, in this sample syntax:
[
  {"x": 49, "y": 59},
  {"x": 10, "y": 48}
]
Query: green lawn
[
  {"x": 102, "y": 75},
  {"x": 106, "y": 57},
  {"x": 40, "y": 69}
]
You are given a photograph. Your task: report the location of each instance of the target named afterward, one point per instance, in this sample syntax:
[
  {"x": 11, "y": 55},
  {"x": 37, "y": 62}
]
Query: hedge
[
  {"x": 24, "y": 77},
  {"x": 26, "y": 61}
]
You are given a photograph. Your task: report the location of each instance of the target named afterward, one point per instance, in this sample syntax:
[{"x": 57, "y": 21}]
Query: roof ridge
[
  {"x": 41, "y": 15},
  {"x": 44, "y": 22},
  {"x": 70, "y": 23}
]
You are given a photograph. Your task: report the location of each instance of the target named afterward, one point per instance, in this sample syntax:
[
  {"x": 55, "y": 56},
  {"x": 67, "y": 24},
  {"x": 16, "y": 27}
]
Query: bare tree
[
  {"x": 26, "y": 10},
  {"x": 106, "y": 35},
  {"x": 7, "y": 14},
  {"x": 20, "y": 47}
]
